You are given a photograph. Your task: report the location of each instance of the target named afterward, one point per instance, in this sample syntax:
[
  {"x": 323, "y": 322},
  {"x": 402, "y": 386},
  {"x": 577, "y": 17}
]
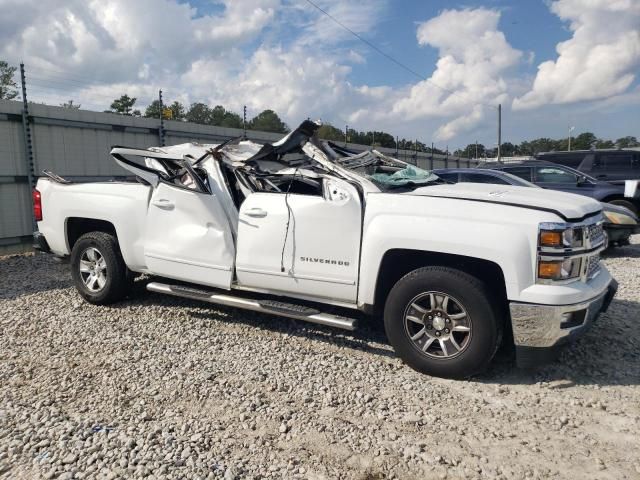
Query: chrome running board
[{"x": 273, "y": 307}]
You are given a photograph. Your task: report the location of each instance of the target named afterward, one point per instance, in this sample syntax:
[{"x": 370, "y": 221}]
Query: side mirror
[
  {"x": 582, "y": 180},
  {"x": 334, "y": 192}
]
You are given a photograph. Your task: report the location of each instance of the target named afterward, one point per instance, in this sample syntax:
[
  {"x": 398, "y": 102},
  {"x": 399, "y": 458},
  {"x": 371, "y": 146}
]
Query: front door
[{"x": 304, "y": 244}]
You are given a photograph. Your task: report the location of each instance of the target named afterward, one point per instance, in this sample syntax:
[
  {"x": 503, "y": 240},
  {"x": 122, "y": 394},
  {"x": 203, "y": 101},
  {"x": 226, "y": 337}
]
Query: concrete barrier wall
[{"x": 76, "y": 143}]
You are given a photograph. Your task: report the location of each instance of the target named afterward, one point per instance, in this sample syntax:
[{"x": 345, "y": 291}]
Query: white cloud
[
  {"x": 474, "y": 58},
  {"x": 300, "y": 66},
  {"x": 600, "y": 60},
  {"x": 117, "y": 40},
  {"x": 294, "y": 82},
  {"x": 359, "y": 16},
  {"x": 280, "y": 54}
]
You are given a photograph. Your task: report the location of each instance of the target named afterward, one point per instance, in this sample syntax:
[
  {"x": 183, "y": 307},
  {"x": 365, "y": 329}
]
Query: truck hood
[{"x": 568, "y": 206}]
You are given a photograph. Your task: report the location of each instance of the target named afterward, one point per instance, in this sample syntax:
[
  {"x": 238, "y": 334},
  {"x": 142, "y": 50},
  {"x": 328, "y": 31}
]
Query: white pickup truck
[{"x": 303, "y": 230}]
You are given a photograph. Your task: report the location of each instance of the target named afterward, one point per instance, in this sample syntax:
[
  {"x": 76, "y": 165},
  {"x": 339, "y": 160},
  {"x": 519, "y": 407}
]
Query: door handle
[
  {"x": 601, "y": 176},
  {"x": 256, "y": 212},
  {"x": 164, "y": 204}
]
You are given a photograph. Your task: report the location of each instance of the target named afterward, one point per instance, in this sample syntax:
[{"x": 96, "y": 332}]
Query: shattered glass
[{"x": 409, "y": 175}]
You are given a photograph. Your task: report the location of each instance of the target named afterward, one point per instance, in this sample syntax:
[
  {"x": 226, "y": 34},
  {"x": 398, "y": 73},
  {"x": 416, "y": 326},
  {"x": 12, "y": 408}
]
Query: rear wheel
[
  {"x": 441, "y": 322},
  {"x": 98, "y": 270}
]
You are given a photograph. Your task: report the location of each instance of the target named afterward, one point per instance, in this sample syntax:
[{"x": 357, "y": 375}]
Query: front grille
[
  {"x": 593, "y": 266},
  {"x": 594, "y": 233}
]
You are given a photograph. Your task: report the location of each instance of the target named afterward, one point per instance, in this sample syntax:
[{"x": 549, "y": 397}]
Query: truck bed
[{"x": 122, "y": 204}]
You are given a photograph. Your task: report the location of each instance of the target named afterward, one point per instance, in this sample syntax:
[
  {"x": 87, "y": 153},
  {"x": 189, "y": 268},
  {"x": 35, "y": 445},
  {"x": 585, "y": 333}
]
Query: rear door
[
  {"x": 187, "y": 234},
  {"x": 614, "y": 166},
  {"x": 304, "y": 244}
]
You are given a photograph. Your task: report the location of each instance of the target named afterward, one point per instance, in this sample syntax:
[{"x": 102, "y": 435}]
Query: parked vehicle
[
  {"x": 566, "y": 179},
  {"x": 293, "y": 229},
  {"x": 619, "y": 222},
  {"x": 611, "y": 165}
]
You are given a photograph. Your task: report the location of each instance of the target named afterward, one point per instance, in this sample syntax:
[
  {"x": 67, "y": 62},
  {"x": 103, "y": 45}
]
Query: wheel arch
[
  {"x": 75, "y": 227},
  {"x": 396, "y": 263}
]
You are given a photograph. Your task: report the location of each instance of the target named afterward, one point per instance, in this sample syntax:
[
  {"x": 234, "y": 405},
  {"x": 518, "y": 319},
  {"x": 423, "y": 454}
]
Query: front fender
[{"x": 504, "y": 235}]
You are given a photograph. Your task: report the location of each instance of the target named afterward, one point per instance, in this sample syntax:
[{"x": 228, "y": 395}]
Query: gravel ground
[{"x": 162, "y": 388}]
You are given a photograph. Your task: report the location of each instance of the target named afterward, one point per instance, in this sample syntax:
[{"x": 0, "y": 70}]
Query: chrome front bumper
[{"x": 539, "y": 329}]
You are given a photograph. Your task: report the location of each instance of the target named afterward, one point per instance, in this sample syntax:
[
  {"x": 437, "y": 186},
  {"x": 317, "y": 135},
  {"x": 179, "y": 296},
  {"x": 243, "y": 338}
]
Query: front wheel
[{"x": 441, "y": 321}]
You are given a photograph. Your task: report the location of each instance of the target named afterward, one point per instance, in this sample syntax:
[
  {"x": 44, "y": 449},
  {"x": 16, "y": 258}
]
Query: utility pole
[
  {"x": 431, "y": 155},
  {"x": 28, "y": 143},
  {"x": 415, "y": 145},
  {"x": 571, "y": 129},
  {"x": 244, "y": 122},
  {"x": 499, "y": 130},
  {"x": 161, "y": 129},
  {"x": 373, "y": 140},
  {"x": 476, "y": 157},
  {"x": 346, "y": 133}
]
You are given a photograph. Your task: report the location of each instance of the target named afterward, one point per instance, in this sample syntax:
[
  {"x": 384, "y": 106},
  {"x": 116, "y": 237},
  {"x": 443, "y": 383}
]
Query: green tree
[
  {"x": 329, "y": 132},
  {"x": 199, "y": 113},
  {"x": 507, "y": 149},
  {"x": 470, "y": 151},
  {"x": 268, "y": 121},
  {"x": 538, "y": 145},
  {"x": 153, "y": 110},
  {"x": 8, "y": 87},
  {"x": 124, "y": 105},
  {"x": 584, "y": 141},
  {"x": 177, "y": 111},
  {"x": 225, "y": 118},
  {"x": 70, "y": 105},
  {"x": 626, "y": 142},
  {"x": 605, "y": 144},
  {"x": 383, "y": 139}
]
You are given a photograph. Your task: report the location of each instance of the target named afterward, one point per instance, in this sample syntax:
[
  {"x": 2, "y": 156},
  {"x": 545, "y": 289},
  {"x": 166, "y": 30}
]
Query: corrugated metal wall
[{"x": 76, "y": 143}]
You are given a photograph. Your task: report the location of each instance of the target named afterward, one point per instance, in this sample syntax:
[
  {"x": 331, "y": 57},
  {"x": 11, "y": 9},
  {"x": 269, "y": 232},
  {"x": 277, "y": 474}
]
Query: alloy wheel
[
  {"x": 437, "y": 324},
  {"x": 93, "y": 269}
]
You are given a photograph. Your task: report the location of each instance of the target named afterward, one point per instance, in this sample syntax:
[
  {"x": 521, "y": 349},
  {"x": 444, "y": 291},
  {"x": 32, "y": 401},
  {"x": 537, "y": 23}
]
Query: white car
[{"x": 290, "y": 229}]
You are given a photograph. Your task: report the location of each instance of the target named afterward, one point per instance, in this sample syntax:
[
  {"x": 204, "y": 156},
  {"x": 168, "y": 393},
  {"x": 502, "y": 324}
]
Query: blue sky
[
  {"x": 528, "y": 25},
  {"x": 550, "y": 63}
]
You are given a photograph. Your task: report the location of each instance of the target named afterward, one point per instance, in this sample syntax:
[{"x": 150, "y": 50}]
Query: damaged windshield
[{"x": 387, "y": 173}]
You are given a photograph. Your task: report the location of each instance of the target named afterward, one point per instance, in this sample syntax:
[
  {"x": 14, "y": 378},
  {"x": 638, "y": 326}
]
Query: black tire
[
  {"x": 117, "y": 278},
  {"x": 625, "y": 204},
  {"x": 484, "y": 314}
]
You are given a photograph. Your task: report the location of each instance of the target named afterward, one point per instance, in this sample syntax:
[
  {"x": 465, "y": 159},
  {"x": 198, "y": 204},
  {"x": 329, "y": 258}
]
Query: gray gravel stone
[{"x": 167, "y": 388}]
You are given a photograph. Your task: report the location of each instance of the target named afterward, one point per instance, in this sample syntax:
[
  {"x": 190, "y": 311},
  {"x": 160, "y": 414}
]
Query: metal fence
[{"x": 76, "y": 143}]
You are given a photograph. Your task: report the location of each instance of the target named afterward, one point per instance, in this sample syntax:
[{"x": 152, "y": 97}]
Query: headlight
[
  {"x": 560, "y": 235},
  {"x": 619, "y": 218},
  {"x": 563, "y": 269}
]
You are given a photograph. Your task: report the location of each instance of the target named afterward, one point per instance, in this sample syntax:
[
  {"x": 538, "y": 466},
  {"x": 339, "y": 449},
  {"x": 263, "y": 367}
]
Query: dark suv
[
  {"x": 610, "y": 165},
  {"x": 558, "y": 177}
]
